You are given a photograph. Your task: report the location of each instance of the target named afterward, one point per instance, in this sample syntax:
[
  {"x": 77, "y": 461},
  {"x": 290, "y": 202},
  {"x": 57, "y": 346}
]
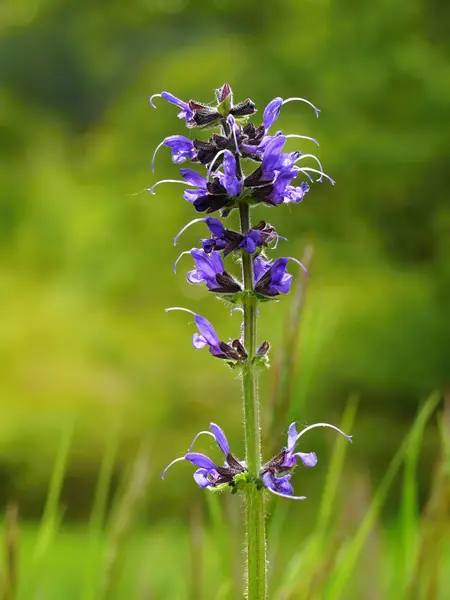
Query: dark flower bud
[
  {"x": 229, "y": 352},
  {"x": 211, "y": 202},
  {"x": 223, "y": 92},
  {"x": 206, "y": 116},
  {"x": 263, "y": 349},
  {"x": 243, "y": 109},
  {"x": 206, "y": 151},
  {"x": 215, "y": 187},
  {"x": 237, "y": 344},
  {"x": 254, "y": 179},
  {"x": 227, "y": 284},
  {"x": 253, "y": 135}
]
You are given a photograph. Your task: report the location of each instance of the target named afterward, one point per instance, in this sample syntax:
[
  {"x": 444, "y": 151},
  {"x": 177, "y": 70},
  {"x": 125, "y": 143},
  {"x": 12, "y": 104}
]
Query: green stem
[{"x": 254, "y": 499}]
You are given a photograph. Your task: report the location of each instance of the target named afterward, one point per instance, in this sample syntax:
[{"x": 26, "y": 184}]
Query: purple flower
[
  {"x": 182, "y": 149},
  {"x": 194, "y": 179},
  {"x": 207, "y": 336},
  {"x": 272, "y": 110},
  {"x": 209, "y": 269},
  {"x": 271, "y": 279},
  {"x": 229, "y": 178},
  {"x": 271, "y": 157},
  {"x": 280, "y": 185},
  {"x": 295, "y": 194},
  {"x": 207, "y": 196},
  {"x": 186, "y": 112},
  {"x": 276, "y": 475},
  {"x": 281, "y": 486},
  {"x": 209, "y": 474},
  {"x": 259, "y": 235}
]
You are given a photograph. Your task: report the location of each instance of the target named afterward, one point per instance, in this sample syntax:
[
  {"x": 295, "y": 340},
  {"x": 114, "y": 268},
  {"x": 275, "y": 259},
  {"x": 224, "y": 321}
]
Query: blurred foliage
[{"x": 86, "y": 267}]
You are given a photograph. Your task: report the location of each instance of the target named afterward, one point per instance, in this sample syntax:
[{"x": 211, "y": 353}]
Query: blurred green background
[{"x": 86, "y": 268}]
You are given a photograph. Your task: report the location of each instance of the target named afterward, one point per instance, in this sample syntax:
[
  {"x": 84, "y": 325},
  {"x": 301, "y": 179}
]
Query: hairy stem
[{"x": 254, "y": 500}]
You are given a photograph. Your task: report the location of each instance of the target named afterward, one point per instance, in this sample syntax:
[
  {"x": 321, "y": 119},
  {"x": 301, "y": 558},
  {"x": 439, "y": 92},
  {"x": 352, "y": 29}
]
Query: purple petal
[
  {"x": 231, "y": 182},
  {"x": 271, "y": 112},
  {"x": 193, "y": 178},
  {"x": 248, "y": 244},
  {"x": 198, "y": 341},
  {"x": 260, "y": 267},
  {"x": 296, "y": 194},
  {"x": 215, "y": 226},
  {"x": 292, "y": 436},
  {"x": 206, "y": 330},
  {"x": 208, "y": 264},
  {"x": 279, "y": 269},
  {"x": 309, "y": 459},
  {"x": 272, "y": 155},
  {"x": 221, "y": 439},
  {"x": 269, "y": 481},
  {"x": 201, "y": 478},
  {"x": 195, "y": 276},
  {"x": 192, "y": 195},
  {"x": 186, "y": 111},
  {"x": 200, "y": 460}
]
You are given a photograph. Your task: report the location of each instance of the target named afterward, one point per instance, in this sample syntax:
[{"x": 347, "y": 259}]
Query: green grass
[{"x": 344, "y": 553}]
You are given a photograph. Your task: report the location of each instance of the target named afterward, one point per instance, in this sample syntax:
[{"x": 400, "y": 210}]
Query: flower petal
[
  {"x": 206, "y": 330},
  {"x": 271, "y": 112},
  {"x": 193, "y": 178},
  {"x": 309, "y": 459},
  {"x": 198, "y": 341},
  {"x": 221, "y": 439},
  {"x": 201, "y": 478},
  {"x": 200, "y": 460},
  {"x": 215, "y": 226},
  {"x": 280, "y": 486},
  {"x": 292, "y": 436}
]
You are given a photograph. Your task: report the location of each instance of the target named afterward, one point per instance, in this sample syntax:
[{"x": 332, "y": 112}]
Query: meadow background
[{"x": 100, "y": 389}]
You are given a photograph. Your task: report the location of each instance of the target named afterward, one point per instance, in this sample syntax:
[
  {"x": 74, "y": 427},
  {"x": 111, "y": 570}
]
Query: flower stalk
[{"x": 254, "y": 501}]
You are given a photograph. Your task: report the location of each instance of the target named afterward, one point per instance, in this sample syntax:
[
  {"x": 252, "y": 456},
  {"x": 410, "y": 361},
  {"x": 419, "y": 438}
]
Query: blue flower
[
  {"x": 272, "y": 110},
  {"x": 209, "y": 269},
  {"x": 182, "y": 149},
  {"x": 272, "y": 278},
  {"x": 276, "y": 474},
  {"x": 186, "y": 112},
  {"x": 229, "y": 178},
  {"x": 196, "y": 180},
  {"x": 207, "y": 336},
  {"x": 295, "y": 194},
  {"x": 209, "y": 474}
]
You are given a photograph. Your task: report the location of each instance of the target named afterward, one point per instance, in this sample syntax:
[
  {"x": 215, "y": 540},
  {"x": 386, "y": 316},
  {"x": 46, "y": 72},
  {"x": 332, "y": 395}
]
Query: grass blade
[{"x": 353, "y": 550}]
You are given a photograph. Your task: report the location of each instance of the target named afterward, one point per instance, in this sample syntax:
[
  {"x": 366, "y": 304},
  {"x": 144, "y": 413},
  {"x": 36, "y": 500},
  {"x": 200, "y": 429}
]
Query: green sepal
[
  {"x": 231, "y": 298},
  {"x": 261, "y": 361},
  {"x": 225, "y": 106}
]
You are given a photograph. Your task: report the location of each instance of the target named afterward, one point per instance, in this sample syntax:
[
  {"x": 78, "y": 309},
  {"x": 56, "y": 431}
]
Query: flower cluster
[
  {"x": 275, "y": 475},
  {"x": 273, "y": 176},
  {"x": 223, "y": 187}
]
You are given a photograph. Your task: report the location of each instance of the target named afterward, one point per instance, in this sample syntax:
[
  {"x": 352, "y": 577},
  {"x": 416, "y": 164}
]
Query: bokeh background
[{"x": 96, "y": 379}]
